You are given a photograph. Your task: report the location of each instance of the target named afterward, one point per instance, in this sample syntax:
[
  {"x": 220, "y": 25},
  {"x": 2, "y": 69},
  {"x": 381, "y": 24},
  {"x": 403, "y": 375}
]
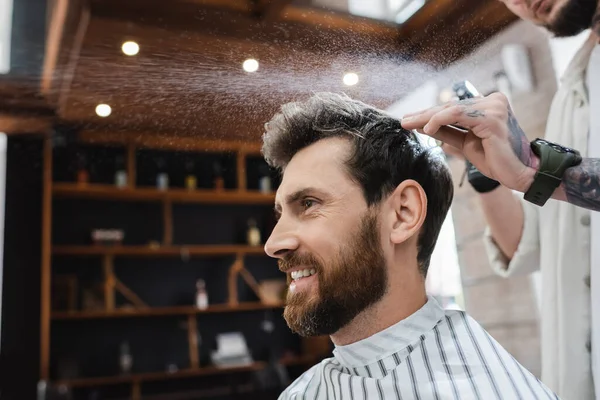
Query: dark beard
[
  {"x": 575, "y": 17},
  {"x": 354, "y": 280}
]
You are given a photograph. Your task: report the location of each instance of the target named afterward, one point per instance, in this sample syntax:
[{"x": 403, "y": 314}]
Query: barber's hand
[{"x": 494, "y": 142}]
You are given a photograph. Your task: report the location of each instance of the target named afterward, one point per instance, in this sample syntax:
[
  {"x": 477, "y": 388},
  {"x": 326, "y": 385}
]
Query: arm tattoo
[
  {"x": 519, "y": 141},
  {"x": 582, "y": 184}
]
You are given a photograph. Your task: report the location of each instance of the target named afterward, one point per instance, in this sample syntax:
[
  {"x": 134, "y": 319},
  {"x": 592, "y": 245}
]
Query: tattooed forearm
[
  {"x": 582, "y": 184},
  {"x": 519, "y": 141}
]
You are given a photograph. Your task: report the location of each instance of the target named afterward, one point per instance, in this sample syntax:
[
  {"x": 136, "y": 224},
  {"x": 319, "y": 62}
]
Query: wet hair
[{"x": 384, "y": 154}]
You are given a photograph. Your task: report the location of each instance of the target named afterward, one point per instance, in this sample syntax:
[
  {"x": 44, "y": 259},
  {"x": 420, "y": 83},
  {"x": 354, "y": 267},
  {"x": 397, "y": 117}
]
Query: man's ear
[{"x": 409, "y": 203}]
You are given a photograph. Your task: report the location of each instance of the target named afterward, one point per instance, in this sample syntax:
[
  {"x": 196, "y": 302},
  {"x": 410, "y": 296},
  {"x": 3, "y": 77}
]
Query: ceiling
[{"x": 187, "y": 78}]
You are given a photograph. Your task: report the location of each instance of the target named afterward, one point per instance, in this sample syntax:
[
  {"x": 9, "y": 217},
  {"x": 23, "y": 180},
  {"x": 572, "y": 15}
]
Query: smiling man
[{"x": 360, "y": 206}]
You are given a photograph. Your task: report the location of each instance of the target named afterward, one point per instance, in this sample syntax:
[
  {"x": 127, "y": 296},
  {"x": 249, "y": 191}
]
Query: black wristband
[{"x": 480, "y": 182}]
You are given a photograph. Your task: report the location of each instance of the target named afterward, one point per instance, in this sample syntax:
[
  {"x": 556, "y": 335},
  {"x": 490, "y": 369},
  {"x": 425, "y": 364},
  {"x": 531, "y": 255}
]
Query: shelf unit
[
  {"x": 136, "y": 379},
  {"x": 156, "y": 376},
  {"x": 164, "y": 311},
  {"x": 168, "y": 197},
  {"x": 108, "y": 192}
]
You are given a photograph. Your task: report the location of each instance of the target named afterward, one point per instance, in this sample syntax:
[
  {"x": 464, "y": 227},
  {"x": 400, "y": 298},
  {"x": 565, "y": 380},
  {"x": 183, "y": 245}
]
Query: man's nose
[{"x": 281, "y": 242}]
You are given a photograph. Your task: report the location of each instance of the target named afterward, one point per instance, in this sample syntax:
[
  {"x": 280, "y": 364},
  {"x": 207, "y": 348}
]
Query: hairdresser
[{"x": 542, "y": 201}]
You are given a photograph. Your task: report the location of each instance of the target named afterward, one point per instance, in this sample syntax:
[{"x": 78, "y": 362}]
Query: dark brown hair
[{"x": 384, "y": 155}]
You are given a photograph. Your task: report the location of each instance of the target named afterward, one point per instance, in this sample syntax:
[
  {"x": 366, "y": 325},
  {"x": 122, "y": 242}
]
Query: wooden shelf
[
  {"x": 162, "y": 251},
  {"x": 162, "y": 311},
  {"x": 186, "y": 373},
  {"x": 159, "y": 376},
  {"x": 150, "y": 194}
]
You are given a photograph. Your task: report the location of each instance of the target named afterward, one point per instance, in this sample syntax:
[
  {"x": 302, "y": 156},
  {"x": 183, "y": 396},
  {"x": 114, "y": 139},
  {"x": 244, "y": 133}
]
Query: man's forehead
[{"x": 319, "y": 166}]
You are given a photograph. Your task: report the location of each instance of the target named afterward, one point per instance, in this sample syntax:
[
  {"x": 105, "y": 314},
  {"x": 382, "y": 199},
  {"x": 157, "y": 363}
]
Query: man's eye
[{"x": 307, "y": 203}]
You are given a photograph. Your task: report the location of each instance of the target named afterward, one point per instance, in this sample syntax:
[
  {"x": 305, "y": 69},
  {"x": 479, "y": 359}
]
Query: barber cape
[{"x": 433, "y": 354}]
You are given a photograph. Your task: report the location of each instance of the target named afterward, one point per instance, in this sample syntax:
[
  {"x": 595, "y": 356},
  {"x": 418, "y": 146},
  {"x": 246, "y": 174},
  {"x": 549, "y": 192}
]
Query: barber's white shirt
[
  {"x": 593, "y": 85},
  {"x": 556, "y": 239}
]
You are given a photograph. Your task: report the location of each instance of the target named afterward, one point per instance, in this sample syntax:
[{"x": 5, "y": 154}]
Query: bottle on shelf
[
  {"x": 120, "y": 173},
  {"x": 125, "y": 358},
  {"x": 191, "y": 181},
  {"x": 253, "y": 234},
  {"x": 83, "y": 175},
  {"x": 162, "y": 178},
  {"x": 264, "y": 183},
  {"x": 219, "y": 182},
  {"x": 201, "y": 295}
]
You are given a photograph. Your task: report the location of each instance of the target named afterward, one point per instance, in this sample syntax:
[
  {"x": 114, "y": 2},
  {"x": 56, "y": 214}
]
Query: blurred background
[{"x": 135, "y": 203}]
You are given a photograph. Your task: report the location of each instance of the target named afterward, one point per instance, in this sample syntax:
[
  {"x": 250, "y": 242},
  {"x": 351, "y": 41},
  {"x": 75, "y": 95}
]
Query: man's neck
[{"x": 402, "y": 300}]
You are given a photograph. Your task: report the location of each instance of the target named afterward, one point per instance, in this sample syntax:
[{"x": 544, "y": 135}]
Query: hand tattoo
[
  {"x": 582, "y": 184},
  {"x": 519, "y": 141}
]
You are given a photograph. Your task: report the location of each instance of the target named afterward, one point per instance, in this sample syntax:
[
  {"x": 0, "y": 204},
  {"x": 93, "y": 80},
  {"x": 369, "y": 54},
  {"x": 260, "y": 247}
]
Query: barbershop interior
[{"x": 143, "y": 224}]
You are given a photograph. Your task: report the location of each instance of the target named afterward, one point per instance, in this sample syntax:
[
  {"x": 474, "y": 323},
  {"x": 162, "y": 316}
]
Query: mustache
[{"x": 293, "y": 260}]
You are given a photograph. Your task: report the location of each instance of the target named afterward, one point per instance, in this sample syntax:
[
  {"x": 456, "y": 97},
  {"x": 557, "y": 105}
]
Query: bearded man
[{"x": 360, "y": 207}]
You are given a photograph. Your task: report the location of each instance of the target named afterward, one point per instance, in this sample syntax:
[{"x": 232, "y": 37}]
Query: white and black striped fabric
[{"x": 433, "y": 354}]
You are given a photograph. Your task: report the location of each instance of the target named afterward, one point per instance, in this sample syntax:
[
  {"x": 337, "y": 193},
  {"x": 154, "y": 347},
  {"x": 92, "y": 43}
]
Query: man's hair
[{"x": 384, "y": 154}]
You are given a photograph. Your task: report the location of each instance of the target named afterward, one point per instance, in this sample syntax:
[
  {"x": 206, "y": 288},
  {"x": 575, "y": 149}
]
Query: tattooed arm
[{"x": 580, "y": 185}]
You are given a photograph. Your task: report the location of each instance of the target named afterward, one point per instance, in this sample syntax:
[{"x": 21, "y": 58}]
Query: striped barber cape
[{"x": 433, "y": 354}]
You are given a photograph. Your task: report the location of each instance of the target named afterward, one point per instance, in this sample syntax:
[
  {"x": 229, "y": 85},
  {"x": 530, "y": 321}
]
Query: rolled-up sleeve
[{"x": 527, "y": 257}]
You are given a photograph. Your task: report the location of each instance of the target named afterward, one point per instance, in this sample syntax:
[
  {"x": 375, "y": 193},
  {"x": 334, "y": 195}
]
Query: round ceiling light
[
  {"x": 130, "y": 48},
  {"x": 350, "y": 79},
  {"x": 103, "y": 110},
  {"x": 250, "y": 65}
]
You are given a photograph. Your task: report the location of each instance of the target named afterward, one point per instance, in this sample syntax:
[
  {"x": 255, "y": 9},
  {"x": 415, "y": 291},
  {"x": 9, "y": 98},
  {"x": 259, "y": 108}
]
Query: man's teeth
[{"x": 302, "y": 273}]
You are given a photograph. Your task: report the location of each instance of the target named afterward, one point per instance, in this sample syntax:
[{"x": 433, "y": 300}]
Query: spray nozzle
[{"x": 465, "y": 90}]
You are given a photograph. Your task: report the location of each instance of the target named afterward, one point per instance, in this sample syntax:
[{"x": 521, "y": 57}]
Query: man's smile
[{"x": 302, "y": 278}]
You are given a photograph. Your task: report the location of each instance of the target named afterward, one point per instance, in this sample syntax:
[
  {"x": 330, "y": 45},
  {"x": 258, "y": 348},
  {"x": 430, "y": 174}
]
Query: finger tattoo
[{"x": 474, "y": 113}]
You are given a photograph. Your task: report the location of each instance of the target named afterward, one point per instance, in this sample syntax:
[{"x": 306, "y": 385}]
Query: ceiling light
[
  {"x": 250, "y": 65},
  {"x": 350, "y": 79},
  {"x": 130, "y": 48},
  {"x": 103, "y": 110}
]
